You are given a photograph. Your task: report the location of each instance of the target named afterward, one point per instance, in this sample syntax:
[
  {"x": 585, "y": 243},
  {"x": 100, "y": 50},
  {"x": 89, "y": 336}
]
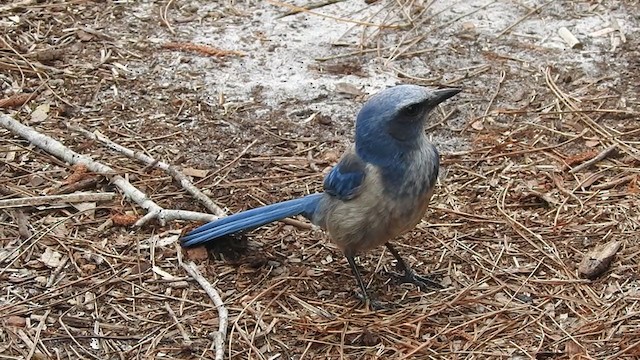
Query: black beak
[{"x": 441, "y": 95}]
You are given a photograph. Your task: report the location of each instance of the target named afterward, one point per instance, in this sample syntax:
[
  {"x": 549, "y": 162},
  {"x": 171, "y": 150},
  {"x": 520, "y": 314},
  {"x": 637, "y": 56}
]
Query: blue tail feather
[{"x": 251, "y": 219}]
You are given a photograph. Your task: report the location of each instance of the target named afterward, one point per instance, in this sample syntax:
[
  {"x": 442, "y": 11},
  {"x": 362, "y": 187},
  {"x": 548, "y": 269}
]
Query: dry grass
[{"x": 509, "y": 224}]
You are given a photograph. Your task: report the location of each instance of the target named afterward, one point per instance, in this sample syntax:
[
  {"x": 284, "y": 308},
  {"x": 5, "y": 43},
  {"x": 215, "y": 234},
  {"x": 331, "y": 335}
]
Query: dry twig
[
  {"x": 603, "y": 155},
  {"x": 223, "y": 314},
  {"x": 362, "y": 23},
  {"x": 202, "y": 49},
  {"x": 154, "y": 211},
  {"x": 308, "y": 7},
  {"x": 149, "y": 161},
  {"x": 56, "y": 199}
]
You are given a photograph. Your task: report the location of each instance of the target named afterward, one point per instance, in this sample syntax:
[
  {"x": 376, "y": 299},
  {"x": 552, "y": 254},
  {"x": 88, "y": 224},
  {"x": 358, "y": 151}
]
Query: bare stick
[
  {"x": 164, "y": 215},
  {"x": 309, "y": 7},
  {"x": 163, "y": 16},
  {"x": 36, "y": 338},
  {"x": 533, "y": 11},
  {"x": 56, "y": 199},
  {"x": 58, "y": 150},
  {"x": 614, "y": 183},
  {"x": 363, "y": 23},
  {"x": 221, "y": 334},
  {"x": 606, "y": 152},
  {"x": 569, "y": 38},
  {"x": 15, "y": 5},
  {"x": 149, "y": 161},
  {"x": 183, "y": 332}
]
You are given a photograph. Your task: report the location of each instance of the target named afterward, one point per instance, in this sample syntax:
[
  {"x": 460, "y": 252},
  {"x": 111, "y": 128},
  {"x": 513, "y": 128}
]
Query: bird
[{"x": 379, "y": 189}]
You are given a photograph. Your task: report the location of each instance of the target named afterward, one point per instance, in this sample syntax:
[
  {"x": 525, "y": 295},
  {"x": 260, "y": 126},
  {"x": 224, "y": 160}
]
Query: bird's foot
[
  {"x": 371, "y": 303},
  {"x": 423, "y": 282}
]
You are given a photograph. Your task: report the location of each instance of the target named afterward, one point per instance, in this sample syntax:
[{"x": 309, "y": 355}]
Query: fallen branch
[
  {"x": 164, "y": 215},
  {"x": 340, "y": 19},
  {"x": 56, "y": 199},
  {"x": 531, "y": 12},
  {"x": 15, "y": 5},
  {"x": 202, "y": 49},
  {"x": 614, "y": 183},
  {"x": 183, "y": 332},
  {"x": 309, "y": 7},
  {"x": 221, "y": 334},
  {"x": 58, "y": 150},
  {"x": 606, "y": 152},
  {"x": 151, "y": 162}
]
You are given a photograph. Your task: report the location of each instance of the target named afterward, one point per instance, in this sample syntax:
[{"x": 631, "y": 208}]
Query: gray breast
[
  {"x": 421, "y": 172},
  {"x": 380, "y": 212}
]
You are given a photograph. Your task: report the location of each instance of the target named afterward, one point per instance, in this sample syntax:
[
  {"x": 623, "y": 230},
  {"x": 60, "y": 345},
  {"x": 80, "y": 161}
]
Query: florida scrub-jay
[{"x": 379, "y": 189}]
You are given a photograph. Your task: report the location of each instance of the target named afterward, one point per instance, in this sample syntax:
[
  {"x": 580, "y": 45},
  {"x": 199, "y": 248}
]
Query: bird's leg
[
  {"x": 364, "y": 297},
  {"x": 409, "y": 275}
]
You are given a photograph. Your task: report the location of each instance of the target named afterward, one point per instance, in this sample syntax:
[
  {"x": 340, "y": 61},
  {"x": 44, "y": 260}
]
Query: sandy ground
[{"x": 509, "y": 223}]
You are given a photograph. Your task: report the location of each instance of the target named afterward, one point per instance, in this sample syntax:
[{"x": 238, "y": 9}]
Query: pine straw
[{"x": 508, "y": 227}]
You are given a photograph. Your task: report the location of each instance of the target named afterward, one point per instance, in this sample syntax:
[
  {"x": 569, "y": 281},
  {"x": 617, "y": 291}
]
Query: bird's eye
[{"x": 412, "y": 110}]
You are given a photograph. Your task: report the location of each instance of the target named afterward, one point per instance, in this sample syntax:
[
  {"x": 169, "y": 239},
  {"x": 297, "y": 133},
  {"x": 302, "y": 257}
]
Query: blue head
[{"x": 391, "y": 123}]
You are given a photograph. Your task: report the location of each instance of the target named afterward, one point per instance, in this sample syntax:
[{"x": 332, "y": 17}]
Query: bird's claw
[
  {"x": 424, "y": 283},
  {"x": 371, "y": 303}
]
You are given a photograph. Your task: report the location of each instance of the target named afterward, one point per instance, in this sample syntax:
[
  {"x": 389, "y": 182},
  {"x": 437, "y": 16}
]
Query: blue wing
[{"x": 346, "y": 178}]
